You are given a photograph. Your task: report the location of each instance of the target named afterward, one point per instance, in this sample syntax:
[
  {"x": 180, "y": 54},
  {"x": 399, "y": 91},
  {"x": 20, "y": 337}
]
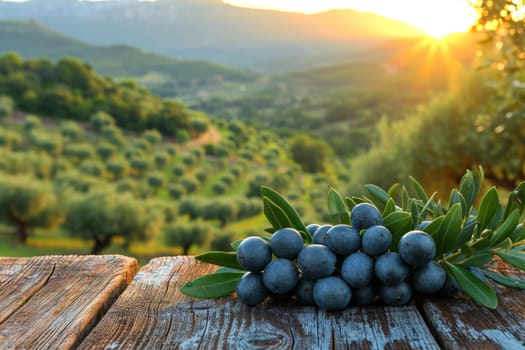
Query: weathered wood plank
[
  {"x": 52, "y": 302},
  {"x": 152, "y": 313},
  {"x": 463, "y": 324}
]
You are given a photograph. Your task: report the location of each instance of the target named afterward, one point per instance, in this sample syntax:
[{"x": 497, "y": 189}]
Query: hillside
[
  {"x": 32, "y": 39},
  {"x": 342, "y": 103},
  {"x": 212, "y": 30}
]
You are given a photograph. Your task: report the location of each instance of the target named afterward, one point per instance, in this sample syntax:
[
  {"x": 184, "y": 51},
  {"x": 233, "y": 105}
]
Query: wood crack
[
  {"x": 31, "y": 293},
  {"x": 428, "y": 323}
]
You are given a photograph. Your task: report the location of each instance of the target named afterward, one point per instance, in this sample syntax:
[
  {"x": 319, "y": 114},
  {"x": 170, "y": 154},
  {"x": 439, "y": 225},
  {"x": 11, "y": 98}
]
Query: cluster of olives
[{"x": 344, "y": 264}]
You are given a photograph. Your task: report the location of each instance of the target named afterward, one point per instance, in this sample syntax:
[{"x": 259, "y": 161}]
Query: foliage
[
  {"x": 29, "y": 203},
  {"x": 502, "y": 22},
  {"x": 309, "y": 153},
  {"x": 452, "y": 131},
  {"x": 186, "y": 234},
  {"x": 71, "y": 130},
  {"x": 6, "y": 107},
  {"x": 71, "y": 89},
  {"x": 101, "y": 215}
]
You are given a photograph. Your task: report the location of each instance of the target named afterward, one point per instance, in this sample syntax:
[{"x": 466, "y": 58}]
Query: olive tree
[
  {"x": 6, "y": 107},
  {"x": 503, "y": 24},
  {"x": 186, "y": 234},
  {"x": 104, "y": 214},
  {"x": 28, "y": 204},
  {"x": 309, "y": 153},
  {"x": 102, "y": 119}
]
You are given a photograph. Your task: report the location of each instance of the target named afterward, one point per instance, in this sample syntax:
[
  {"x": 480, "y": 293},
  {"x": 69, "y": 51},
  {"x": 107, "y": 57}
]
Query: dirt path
[{"x": 212, "y": 135}]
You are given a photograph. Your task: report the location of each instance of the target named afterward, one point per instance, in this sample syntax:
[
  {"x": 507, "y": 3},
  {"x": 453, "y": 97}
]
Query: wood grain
[
  {"x": 52, "y": 302},
  {"x": 152, "y": 314},
  {"x": 463, "y": 324}
]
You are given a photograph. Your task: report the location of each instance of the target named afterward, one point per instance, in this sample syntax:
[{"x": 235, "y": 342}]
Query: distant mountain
[
  {"x": 31, "y": 39},
  {"x": 212, "y": 30}
]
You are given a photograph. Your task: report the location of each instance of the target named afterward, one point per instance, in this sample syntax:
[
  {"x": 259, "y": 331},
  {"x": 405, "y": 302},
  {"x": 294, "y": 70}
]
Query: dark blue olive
[{"x": 250, "y": 289}]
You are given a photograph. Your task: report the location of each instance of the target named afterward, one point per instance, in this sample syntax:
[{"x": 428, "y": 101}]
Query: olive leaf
[
  {"x": 516, "y": 259},
  {"x": 398, "y": 223},
  {"x": 433, "y": 228},
  {"x": 516, "y": 200},
  {"x": 379, "y": 196},
  {"x": 449, "y": 230},
  {"x": 392, "y": 191},
  {"x": 275, "y": 215},
  {"x": 478, "y": 259},
  {"x": 337, "y": 210},
  {"x": 466, "y": 231},
  {"x": 504, "y": 280},
  {"x": 213, "y": 285},
  {"x": 470, "y": 185},
  {"x": 227, "y": 259},
  {"x": 420, "y": 191},
  {"x": 506, "y": 229},
  {"x": 350, "y": 202},
  {"x": 518, "y": 234},
  {"x": 489, "y": 210},
  {"x": 457, "y": 197},
  {"x": 477, "y": 289},
  {"x": 389, "y": 207},
  {"x": 273, "y": 198}
]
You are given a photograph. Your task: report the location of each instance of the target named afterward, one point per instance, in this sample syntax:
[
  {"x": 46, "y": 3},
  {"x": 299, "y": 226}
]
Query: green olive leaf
[
  {"x": 466, "y": 231},
  {"x": 414, "y": 210},
  {"x": 469, "y": 186},
  {"x": 438, "y": 210},
  {"x": 428, "y": 208},
  {"x": 405, "y": 198},
  {"x": 504, "y": 280},
  {"x": 337, "y": 211},
  {"x": 229, "y": 269},
  {"x": 490, "y": 210},
  {"x": 399, "y": 223},
  {"x": 235, "y": 244},
  {"x": 392, "y": 191},
  {"x": 389, "y": 207},
  {"x": 449, "y": 230},
  {"x": 379, "y": 196},
  {"x": 477, "y": 289},
  {"x": 519, "y": 234},
  {"x": 227, "y": 259},
  {"x": 215, "y": 285},
  {"x": 420, "y": 191},
  {"x": 289, "y": 211},
  {"x": 457, "y": 197},
  {"x": 478, "y": 259},
  {"x": 350, "y": 202},
  {"x": 516, "y": 200},
  {"x": 516, "y": 259},
  {"x": 433, "y": 228},
  {"x": 275, "y": 215},
  {"x": 506, "y": 229}
]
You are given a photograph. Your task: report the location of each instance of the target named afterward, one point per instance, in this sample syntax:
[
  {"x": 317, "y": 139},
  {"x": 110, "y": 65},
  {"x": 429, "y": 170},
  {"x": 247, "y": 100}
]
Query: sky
[{"x": 436, "y": 17}]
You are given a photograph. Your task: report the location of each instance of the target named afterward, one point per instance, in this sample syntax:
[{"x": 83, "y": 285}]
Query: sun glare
[
  {"x": 441, "y": 29},
  {"x": 437, "y": 18},
  {"x": 441, "y": 25}
]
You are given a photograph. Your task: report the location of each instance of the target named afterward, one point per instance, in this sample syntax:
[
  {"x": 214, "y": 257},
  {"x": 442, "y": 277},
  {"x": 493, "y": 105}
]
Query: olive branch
[{"x": 466, "y": 236}]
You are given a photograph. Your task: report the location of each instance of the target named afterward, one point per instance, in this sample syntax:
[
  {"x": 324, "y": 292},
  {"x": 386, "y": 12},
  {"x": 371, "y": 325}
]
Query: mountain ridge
[
  {"x": 211, "y": 30},
  {"x": 32, "y": 39}
]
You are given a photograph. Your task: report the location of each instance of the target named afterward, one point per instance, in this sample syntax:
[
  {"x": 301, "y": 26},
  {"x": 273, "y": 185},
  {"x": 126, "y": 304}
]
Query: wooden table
[{"x": 101, "y": 302}]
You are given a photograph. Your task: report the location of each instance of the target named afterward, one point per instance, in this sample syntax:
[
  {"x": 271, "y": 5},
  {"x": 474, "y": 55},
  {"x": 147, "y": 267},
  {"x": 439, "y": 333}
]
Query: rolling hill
[{"x": 32, "y": 39}]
